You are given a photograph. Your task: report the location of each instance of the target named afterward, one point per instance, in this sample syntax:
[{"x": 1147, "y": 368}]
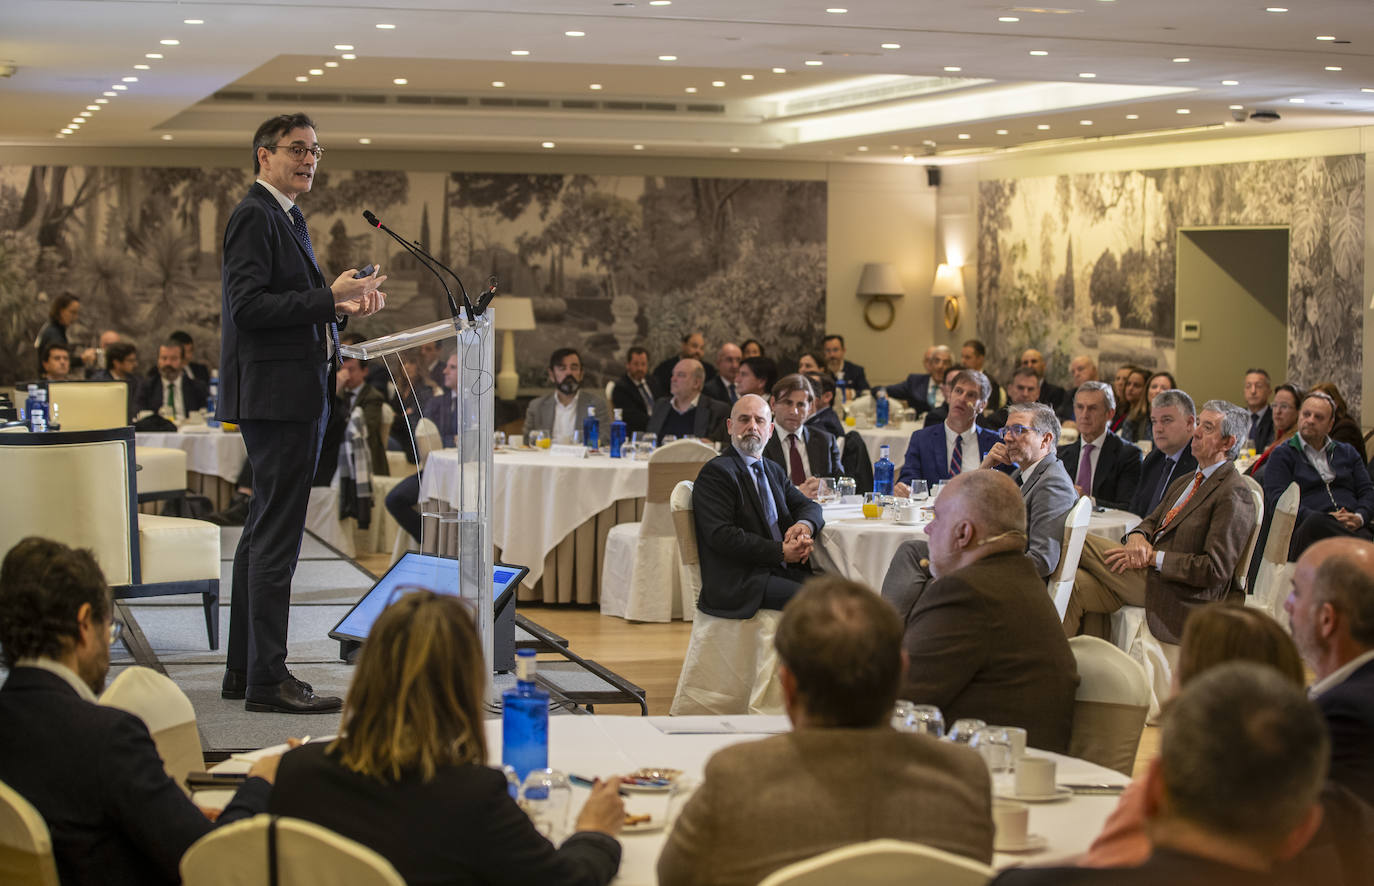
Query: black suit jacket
[
  {"x": 737, "y": 550},
  {"x": 915, "y": 391},
  {"x": 855, "y": 378},
  {"x": 1117, "y": 474},
  {"x": 94, "y": 774},
  {"x": 827, "y": 420},
  {"x": 821, "y": 452},
  {"x": 152, "y": 395},
  {"x": 1264, "y": 432},
  {"x": 1145, "y": 499},
  {"x": 716, "y": 390},
  {"x": 1349, "y": 711},
  {"x": 276, "y": 310},
  {"x": 1051, "y": 394},
  {"x": 708, "y": 422},
  {"x": 461, "y": 827},
  {"x": 1164, "y": 866},
  {"x": 626, "y": 398}
]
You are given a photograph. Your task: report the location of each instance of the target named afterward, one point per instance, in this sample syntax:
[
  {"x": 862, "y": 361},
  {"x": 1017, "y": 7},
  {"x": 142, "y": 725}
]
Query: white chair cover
[
  {"x": 639, "y": 579},
  {"x": 1272, "y": 580},
  {"x": 167, "y": 713},
  {"x": 427, "y": 439},
  {"x": 731, "y": 666},
  {"x": 1243, "y": 567},
  {"x": 1110, "y": 706},
  {"x": 1075, "y": 531},
  {"x": 25, "y": 845},
  {"x": 307, "y": 855},
  {"x": 322, "y": 519},
  {"x": 90, "y": 405},
  {"x": 882, "y": 863},
  {"x": 160, "y": 469}
]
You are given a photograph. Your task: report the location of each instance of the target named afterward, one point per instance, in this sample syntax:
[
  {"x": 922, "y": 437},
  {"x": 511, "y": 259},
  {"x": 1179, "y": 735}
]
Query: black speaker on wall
[{"x": 933, "y": 176}]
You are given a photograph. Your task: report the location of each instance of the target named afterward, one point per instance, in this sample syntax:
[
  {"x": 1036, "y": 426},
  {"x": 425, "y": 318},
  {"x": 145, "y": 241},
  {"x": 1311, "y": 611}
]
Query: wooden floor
[{"x": 648, "y": 655}]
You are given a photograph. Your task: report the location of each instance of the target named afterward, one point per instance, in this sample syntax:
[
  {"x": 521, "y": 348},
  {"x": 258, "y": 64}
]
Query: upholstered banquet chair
[
  {"x": 731, "y": 666},
  {"x": 1075, "y": 532},
  {"x": 1110, "y": 706},
  {"x": 882, "y": 863},
  {"x": 1272, "y": 580},
  {"x": 269, "y": 849},
  {"x": 1131, "y": 632},
  {"x": 80, "y": 488},
  {"x": 167, "y": 712},
  {"x": 640, "y": 577},
  {"x": 25, "y": 845}
]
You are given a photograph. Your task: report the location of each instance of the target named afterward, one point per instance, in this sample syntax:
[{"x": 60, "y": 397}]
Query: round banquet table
[
  {"x": 210, "y": 451},
  {"x": 543, "y": 502},
  {"x": 608, "y": 745},
  {"x": 861, "y": 549},
  {"x": 895, "y": 436}
]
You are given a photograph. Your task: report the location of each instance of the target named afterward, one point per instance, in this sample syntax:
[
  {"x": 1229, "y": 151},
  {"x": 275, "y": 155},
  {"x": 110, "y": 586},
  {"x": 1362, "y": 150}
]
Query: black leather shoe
[
  {"x": 234, "y": 515},
  {"x": 304, "y": 685},
  {"x": 290, "y": 696},
  {"x": 234, "y": 686}
]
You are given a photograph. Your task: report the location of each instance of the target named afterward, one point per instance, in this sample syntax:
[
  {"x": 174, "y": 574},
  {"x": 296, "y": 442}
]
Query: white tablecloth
[
  {"x": 605, "y": 746},
  {"x": 861, "y": 549},
  {"x": 538, "y": 499},
  {"x": 895, "y": 437},
  {"x": 215, "y": 453}
]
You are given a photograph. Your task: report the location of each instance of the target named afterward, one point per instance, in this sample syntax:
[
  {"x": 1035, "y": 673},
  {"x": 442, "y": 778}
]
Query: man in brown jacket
[
  {"x": 1184, "y": 553},
  {"x": 843, "y": 775}
]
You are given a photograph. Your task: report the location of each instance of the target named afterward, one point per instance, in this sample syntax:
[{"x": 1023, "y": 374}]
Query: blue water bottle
[
  {"x": 212, "y": 404},
  {"x": 840, "y": 387},
  {"x": 882, "y": 472},
  {"x": 880, "y": 399},
  {"x": 29, "y": 403},
  {"x": 524, "y": 720},
  {"x": 617, "y": 434},
  {"x": 591, "y": 429}
]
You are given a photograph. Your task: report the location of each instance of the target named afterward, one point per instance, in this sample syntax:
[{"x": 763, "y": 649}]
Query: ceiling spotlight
[
  {"x": 1088, "y": 75},
  {"x": 1276, "y": 9},
  {"x": 734, "y": 150},
  {"x": 170, "y": 42},
  {"x": 331, "y": 64},
  {"x": 1001, "y": 132},
  {"x": 102, "y": 101},
  {"x": 547, "y": 145},
  {"x": 837, "y": 10},
  {"x": 1085, "y": 123},
  {"x": 1334, "y": 68},
  {"x": 193, "y": 21},
  {"x": 908, "y": 159},
  {"x": 120, "y": 87},
  {"x": 77, "y": 121},
  {"x": 110, "y": 94},
  {"x": 364, "y": 141},
  {"x": 667, "y": 58},
  {"x": 1038, "y": 52},
  {"x": 84, "y": 114},
  {"x": 779, "y": 70},
  {"x": 891, "y": 46},
  {"x": 965, "y": 135},
  {"x": 343, "y": 47},
  {"x": 639, "y": 147},
  {"x": 130, "y": 79},
  {"x": 316, "y": 72},
  {"x": 1297, "y": 101},
  {"x": 1008, "y": 19},
  {"x": 1326, "y": 39},
  {"x": 498, "y": 83},
  {"x": 1366, "y": 89},
  {"x": 1132, "y": 116},
  {"x": 1235, "y": 107},
  {"x": 660, "y": 2},
  {"x": 574, "y": 33},
  {"x": 1182, "y": 111},
  {"x": 1043, "y": 126},
  {"x": 386, "y": 27},
  {"x": 519, "y": 52},
  {"x": 400, "y": 81},
  {"x": 1181, "y": 60},
  {"x": 814, "y": 63},
  {"x": 1230, "y": 83},
  {"x": 863, "y": 147},
  {"x": 143, "y": 67},
  {"x": 746, "y": 76},
  {"x": 92, "y": 107},
  {"x": 594, "y": 86},
  {"x": 154, "y": 55},
  {"x": 348, "y": 56},
  {"x": 166, "y": 137},
  {"x": 302, "y": 79},
  {"x": 717, "y": 83},
  {"x": 953, "y": 69},
  {"x": 68, "y": 131},
  {"x": 691, "y": 89}
]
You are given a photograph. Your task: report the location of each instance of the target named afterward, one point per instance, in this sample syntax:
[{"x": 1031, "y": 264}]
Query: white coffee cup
[
  {"x": 906, "y": 512},
  {"x": 1010, "y": 823},
  {"x": 1035, "y": 777}
]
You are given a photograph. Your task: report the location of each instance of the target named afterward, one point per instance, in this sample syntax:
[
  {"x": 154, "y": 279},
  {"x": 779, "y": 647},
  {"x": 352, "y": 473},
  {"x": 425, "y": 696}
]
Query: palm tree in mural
[{"x": 165, "y": 257}]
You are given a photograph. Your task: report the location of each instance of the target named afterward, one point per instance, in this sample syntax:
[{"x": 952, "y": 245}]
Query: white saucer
[
  {"x": 1059, "y": 794},
  {"x": 1033, "y": 843}
]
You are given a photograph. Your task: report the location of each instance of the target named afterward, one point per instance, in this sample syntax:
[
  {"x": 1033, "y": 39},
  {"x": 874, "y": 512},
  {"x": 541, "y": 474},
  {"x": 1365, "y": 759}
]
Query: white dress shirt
[
  {"x": 784, "y": 441},
  {"x": 1340, "y": 675},
  {"x": 564, "y": 420},
  {"x": 1092, "y": 459},
  {"x": 1318, "y": 459},
  {"x": 968, "y": 440}
]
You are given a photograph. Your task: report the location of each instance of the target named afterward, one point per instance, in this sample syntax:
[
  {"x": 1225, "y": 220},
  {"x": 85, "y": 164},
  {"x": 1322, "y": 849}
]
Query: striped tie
[
  {"x": 1169, "y": 517},
  {"x": 303, "y": 235},
  {"x": 956, "y": 461}
]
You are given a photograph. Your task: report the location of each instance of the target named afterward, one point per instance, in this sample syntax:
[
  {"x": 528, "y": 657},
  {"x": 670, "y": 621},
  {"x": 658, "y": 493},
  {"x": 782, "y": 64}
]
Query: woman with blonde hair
[
  {"x": 408, "y": 775},
  {"x": 1134, "y": 408}
]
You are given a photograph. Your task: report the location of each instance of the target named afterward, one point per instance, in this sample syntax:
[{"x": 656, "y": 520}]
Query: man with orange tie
[{"x": 1184, "y": 553}]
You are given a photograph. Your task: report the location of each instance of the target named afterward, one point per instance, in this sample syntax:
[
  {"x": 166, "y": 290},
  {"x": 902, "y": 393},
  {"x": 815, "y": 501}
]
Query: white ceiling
[{"x": 66, "y": 53}]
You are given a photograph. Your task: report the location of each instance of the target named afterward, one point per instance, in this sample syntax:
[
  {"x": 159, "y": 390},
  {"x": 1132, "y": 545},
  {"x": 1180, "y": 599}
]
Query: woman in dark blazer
[
  {"x": 408, "y": 776},
  {"x": 61, "y": 315}
]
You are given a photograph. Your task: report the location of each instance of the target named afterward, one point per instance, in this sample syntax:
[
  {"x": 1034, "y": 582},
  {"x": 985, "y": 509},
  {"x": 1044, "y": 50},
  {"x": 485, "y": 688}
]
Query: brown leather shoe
[{"x": 290, "y": 696}]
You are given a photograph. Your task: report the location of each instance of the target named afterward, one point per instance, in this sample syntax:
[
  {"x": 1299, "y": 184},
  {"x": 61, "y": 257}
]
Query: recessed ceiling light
[
  {"x": 814, "y": 62},
  {"x": 166, "y": 137},
  {"x": 1297, "y": 101},
  {"x": 1085, "y": 123},
  {"x": 1235, "y": 107},
  {"x": 364, "y": 141},
  {"x": 170, "y": 42},
  {"x": 667, "y": 58},
  {"x": 1043, "y": 126},
  {"x": 400, "y": 81},
  {"x": 908, "y": 159},
  {"x": 547, "y": 145},
  {"x": 953, "y": 69},
  {"x": 1366, "y": 89},
  {"x": 1230, "y": 83},
  {"x": 660, "y": 2},
  {"x": 193, "y": 21},
  {"x": 1276, "y": 9},
  {"x": 498, "y": 83},
  {"x": 1088, "y": 75},
  {"x": 92, "y": 107},
  {"x": 130, "y": 79},
  {"x": 691, "y": 89},
  {"x": 84, "y": 114},
  {"x": 965, "y": 135},
  {"x": 639, "y": 147},
  {"x": 143, "y": 67},
  {"x": 1326, "y": 38},
  {"x": 77, "y": 121},
  {"x": 152, "y": 55},
  {"x": 594, "y": 86},
  {"x": 384, "y": 26},
  {"x": 734, "y": 150},
  {"x": 110, "y": 94},
  {"x": 746, "y": 76},
  {"x": 348, "y": 56},
  {"x": 1334, "y": 68},
  {"x": 519, "y": 52},
  {"x": 68, "y": 131},
  {"x": 863, "y": 147},
  {"x": 316, "y": 72},
  {"x": 574, "y": 33},
  {"x": 1001, "y": 132},
  {"x": 779, "y": 70},
  {"x": 343, "y": 47},
  {"x": 331, "y": 64},
  {"x": 1182, "y": 60},
  {"x": 1008, "y": 19},
  {"x": 302, "y": 79},
  {"x": 102, "y": 101},
  {"x": 1182, "y": 111},
  {"x": 1132, "y": 116},
  {"x": 120, "y": 87},
  {"x": 837, "y": 10},
  {"x": 1038, "y": 52}
]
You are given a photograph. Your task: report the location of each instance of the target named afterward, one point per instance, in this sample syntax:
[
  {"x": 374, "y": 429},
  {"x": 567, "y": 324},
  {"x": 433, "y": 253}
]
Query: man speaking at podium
[{"x": 279, "y": 346}]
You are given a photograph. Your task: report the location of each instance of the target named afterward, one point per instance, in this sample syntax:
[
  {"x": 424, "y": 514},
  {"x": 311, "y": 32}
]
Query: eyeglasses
[
  {"x": 298, "y": 151},
  {"x": 1014, "y": 430},
  {"x": 116, "y": 631}
]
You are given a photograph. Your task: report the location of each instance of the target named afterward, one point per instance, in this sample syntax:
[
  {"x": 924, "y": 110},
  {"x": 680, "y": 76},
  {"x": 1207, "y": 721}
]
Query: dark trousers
[
  {"x": 283, "y": 456},
  {"x": 1317, "y": 527},
  {"x": 401, "y": 502},
  {"x": 782, "y": 585}
]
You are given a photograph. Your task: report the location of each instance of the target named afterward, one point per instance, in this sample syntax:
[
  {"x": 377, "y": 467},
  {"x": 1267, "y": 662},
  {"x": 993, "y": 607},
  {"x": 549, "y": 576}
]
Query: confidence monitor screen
[{"x": 424, "y": 571}]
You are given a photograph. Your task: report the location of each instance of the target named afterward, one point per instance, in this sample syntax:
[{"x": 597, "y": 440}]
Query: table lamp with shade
[
  {"x": 879, "y": 284},
  {"x": 510, "y": 313},
  {"x": 949, "y": 285}
]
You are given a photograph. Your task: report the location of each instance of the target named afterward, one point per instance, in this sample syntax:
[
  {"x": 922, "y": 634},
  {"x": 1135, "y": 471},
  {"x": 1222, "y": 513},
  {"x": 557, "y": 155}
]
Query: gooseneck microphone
[
  {"x": 431, "y": 263},
  {"x": 485, "y": 298}
]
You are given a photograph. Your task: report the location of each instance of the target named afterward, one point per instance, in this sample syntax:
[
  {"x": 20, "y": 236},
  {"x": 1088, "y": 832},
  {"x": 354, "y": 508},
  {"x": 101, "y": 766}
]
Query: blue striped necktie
[
  {"x": 303, "y": 234},
  {"x": 956, "y": 461}
]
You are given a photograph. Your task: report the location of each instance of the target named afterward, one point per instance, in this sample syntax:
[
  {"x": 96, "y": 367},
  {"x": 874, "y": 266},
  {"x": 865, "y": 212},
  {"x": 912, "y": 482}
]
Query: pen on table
[{"x": 583, "y": 781}]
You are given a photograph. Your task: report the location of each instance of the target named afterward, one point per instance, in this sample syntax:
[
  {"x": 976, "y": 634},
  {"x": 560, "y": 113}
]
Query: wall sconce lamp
[
  {"x": 949, "y": 285},
  {"x": 511, "y": 314},
  {"x": 880, "y": 285}
]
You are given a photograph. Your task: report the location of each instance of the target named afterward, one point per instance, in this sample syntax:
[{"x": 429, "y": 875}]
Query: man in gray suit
[
  {"x": 561, "y": 412},
  {"x": 1028, "y": 446},
  {"x": 842, "y": 775}
]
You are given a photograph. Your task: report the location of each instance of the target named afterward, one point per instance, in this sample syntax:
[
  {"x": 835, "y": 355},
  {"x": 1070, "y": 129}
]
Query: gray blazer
[
  {"x": 539, "y": 414},
  {"x": 1048, "y": 493}
]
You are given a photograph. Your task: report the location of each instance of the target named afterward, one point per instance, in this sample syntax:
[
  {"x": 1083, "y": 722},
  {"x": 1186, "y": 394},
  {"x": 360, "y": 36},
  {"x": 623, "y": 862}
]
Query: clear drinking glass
[
  {"x": 825, "y": 491},
  {"x": 962, "y": 730},
  {"x": 924, "y": 719},
  {"x": 538, "y": 439},
  {"x": 546, "y": 797},
  {"x": 919, "y": 489},
  {"x": 995, "y": 747},
  {"x": 846, "y": 486}
]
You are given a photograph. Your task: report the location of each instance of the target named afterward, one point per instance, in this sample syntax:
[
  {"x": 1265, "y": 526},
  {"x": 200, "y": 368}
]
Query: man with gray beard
[{"x": 754, "y": 528}]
